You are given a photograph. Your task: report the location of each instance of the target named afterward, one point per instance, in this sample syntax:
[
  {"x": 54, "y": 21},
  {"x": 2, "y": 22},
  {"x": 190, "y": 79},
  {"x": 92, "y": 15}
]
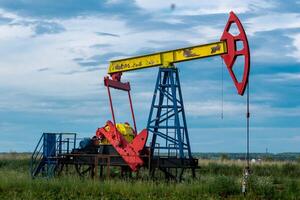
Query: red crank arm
[
  {"x": 130, "y": 152},
  {"x": 233, "y": 53}
]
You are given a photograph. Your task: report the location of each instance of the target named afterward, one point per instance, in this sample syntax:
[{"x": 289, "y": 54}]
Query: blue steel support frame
[{"x": 167, "y": 122}]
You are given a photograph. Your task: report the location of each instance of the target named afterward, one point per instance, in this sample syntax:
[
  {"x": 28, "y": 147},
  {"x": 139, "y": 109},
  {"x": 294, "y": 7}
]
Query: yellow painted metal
[
  {"x": 167, "y": 58},
  {"x": 126, "y": 131}
]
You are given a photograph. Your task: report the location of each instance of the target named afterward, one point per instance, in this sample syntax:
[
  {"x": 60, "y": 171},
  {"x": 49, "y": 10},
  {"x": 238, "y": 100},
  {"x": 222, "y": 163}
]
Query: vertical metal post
[
  {"x": 177, "y": 122},
  {"x": 152, "y": 145},
  {"x": 101, "y": 168},
  {"x": 60, "y": 143},
  {"x": 160, "y": 102},
  {"x": 68, "y": 141},
  {"x": 108, "y": 167},
  {"x": 132, "y": 113},
  {"x": 186, "y": 134},
  {"x": 96, "y": 167},
  {"x": 75, "y": 135},
  {"x": 111, "y": 105}
]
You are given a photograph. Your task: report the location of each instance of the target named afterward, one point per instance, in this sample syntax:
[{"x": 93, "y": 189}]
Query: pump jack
[
  {"x": 168, "y": 89},
  {"x": 169, "y": 149}
]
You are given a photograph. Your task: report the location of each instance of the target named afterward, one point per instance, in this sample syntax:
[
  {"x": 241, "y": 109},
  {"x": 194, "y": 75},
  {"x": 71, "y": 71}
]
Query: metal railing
[
  {"x": 43, "y": 160},
  {"x": 37, "y": 156}
]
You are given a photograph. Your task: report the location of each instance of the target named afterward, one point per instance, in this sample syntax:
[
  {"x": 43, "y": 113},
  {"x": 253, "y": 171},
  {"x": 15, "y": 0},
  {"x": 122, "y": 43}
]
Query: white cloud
[
  {"x": 10, "y": 15},
  {"x": 170, "y": 19},
  {"x": 205, "y": 34},
  {"x": 214, "y": 108},
  {"x": 196, "y": 7},
  {"x": 112, "y": 2},
  {"x": 266, "y": 52},
  {"x": 14, "y": 32},
  {"x": 55, "y": 90},
  {"x": 23, "y": 56},
  {"x": 281, "y": 77},
  {"x": 272, "y": 21},
  {"x": 296, "y": 45}
]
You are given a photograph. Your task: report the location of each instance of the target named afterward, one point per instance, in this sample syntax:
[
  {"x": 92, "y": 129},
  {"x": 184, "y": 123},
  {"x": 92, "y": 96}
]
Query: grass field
[{"x": 215, "y": 180}]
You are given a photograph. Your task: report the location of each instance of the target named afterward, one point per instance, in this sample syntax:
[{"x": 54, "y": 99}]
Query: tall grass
[{"x": 215, "y": 180}]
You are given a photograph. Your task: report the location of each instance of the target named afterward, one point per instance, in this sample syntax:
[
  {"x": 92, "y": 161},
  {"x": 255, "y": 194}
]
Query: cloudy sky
[{"x": 54, "y": 55}]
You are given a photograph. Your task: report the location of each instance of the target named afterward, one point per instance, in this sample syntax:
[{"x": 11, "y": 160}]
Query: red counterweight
[
  {"x": 233, "y": 52},
  {"x": 130, "y": 152}
]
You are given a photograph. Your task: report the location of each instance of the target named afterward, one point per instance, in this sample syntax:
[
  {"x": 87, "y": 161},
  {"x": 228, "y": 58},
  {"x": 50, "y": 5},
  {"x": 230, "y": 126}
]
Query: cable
[
  {"x": 247, "y": 171},
  {"x": 222, "y": 91},
  {"x": 248, "y": 126}
]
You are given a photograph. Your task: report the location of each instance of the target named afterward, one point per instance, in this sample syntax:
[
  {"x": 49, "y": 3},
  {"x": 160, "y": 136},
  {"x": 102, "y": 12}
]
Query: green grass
[{"x": 215, "y": 180}]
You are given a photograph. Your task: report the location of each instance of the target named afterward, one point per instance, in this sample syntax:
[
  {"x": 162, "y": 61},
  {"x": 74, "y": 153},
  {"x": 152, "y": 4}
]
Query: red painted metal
[
  {"x": 115, "y": 83},
  {"x": 233, "y": 53},
  {"x": 111, "y": 104},
  {"x": 116, "y": 76},
  {"x": 132, "y": 113},
  {"x": 130, "y": 152}
]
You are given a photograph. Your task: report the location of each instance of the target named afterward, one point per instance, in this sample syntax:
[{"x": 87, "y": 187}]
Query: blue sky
[{"x": 54, "y": 55}]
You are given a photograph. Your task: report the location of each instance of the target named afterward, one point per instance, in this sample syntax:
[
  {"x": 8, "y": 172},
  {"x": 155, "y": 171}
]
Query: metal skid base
[
  {"x": 172, "y": 168},
  {"x": 100, "y": 164},
  {"x": 87, "y": 162}
]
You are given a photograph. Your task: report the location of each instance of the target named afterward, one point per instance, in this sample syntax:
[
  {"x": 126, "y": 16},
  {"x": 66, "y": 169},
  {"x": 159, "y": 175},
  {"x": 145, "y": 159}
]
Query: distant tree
[
  {"x": 268, "y": 158},
  {"x": 224, "y": 156}
]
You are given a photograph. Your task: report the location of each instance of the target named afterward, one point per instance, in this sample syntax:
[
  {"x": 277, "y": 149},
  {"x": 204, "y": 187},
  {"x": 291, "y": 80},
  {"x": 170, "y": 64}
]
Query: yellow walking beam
[{"x": 167, "y": 58}]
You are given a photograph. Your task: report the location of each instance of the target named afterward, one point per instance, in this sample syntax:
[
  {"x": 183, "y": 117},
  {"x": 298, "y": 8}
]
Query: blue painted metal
[
  {"x": 85, "y": 142},
  {"x": 167, "y": 121},
  {"x": 50, "y": 147},
  {"x": 49, "y": 144}
]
